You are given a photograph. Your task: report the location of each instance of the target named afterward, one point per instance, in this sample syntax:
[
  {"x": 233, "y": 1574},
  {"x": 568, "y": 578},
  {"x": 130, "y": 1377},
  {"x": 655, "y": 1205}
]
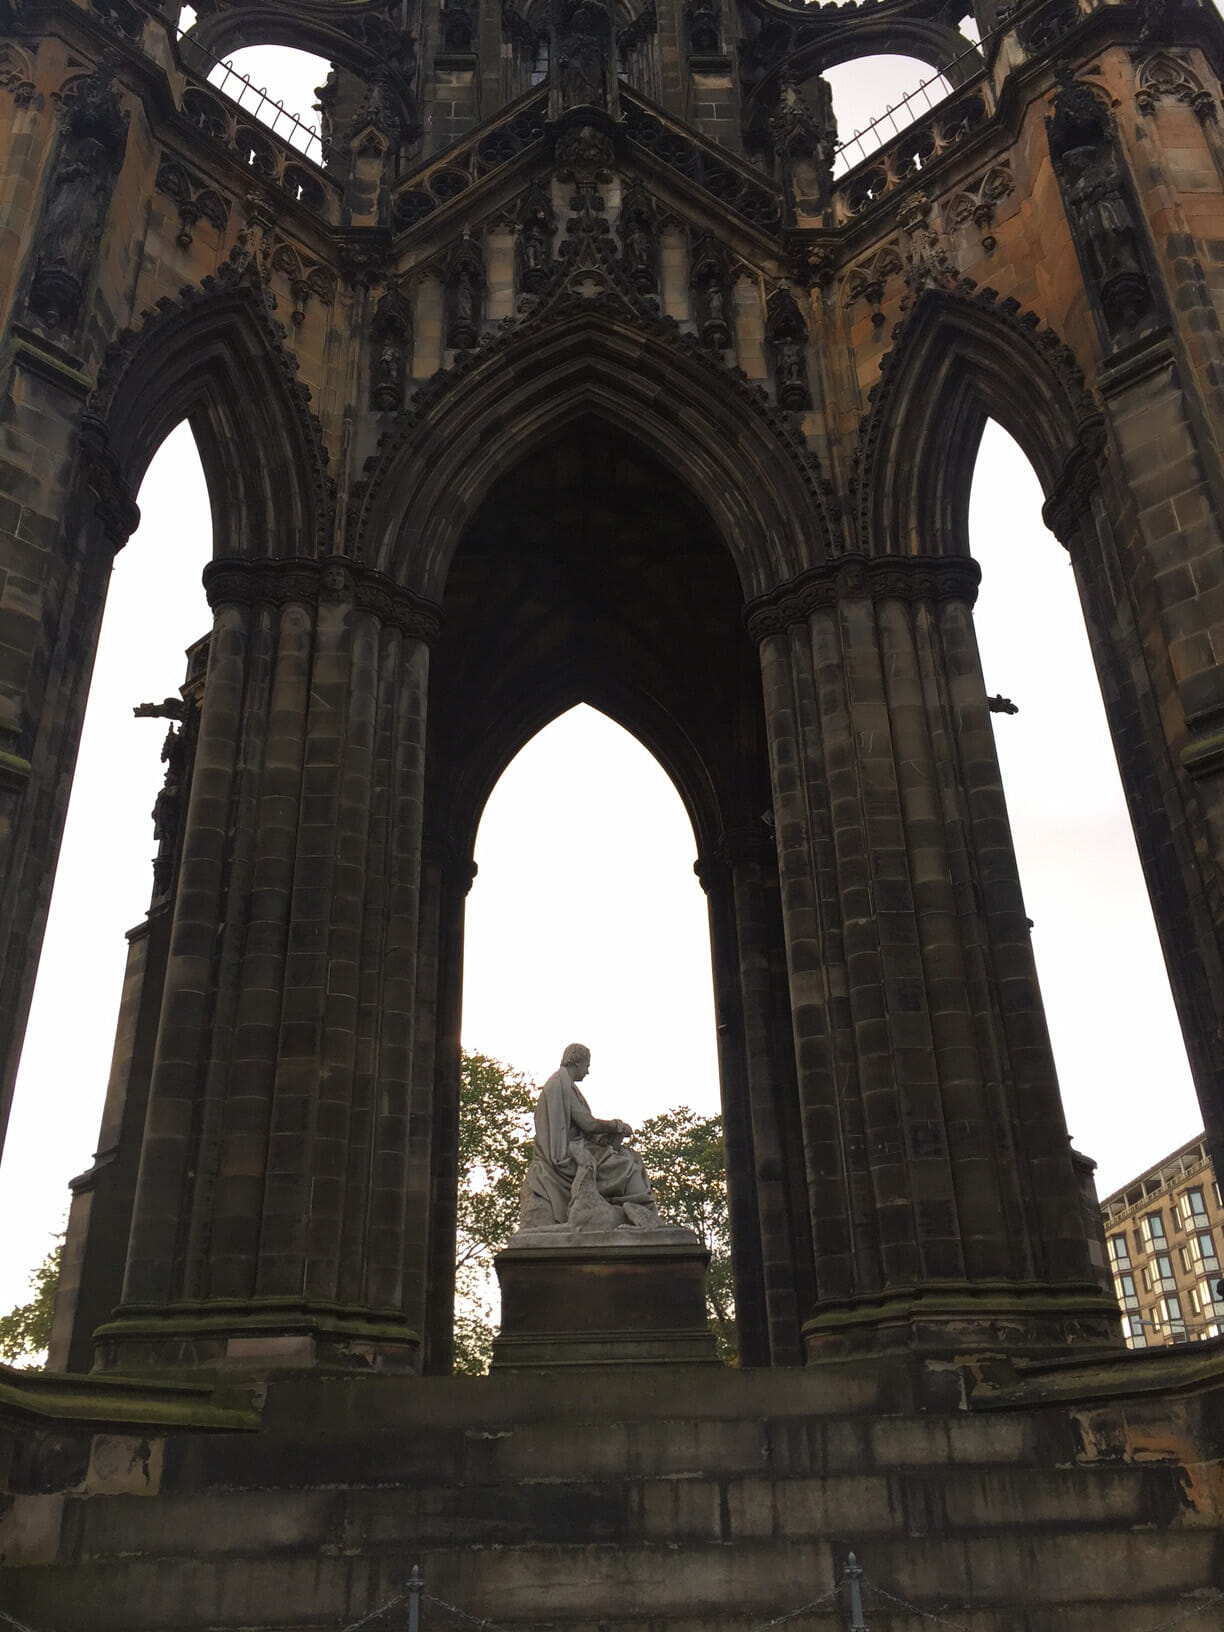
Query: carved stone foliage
[
  {"x": 639, "y": 235},
  {"x": 465, "y": 291},
  {"x": 583, "y": 54},
  {"x": 535, "y": 232},
  {"x": 430, "y": 188},
  {"x": 867, "y": 280},
  {"x": 710, "y": 282},
  {"x": 976, "y": 205},
  {"x": 735, "y": 186},
  {"x": 195, "y": 199},
  {"x": 1166, "y": 76},
  {"x": 1100, "y": 209},
  {"x": 305, "y": 280},
  {"x": 787, "y": 335},
  {"x": 391, "y": 339},
  {"x": 17, "y": 76},
  {"x": 701, "y": 25},
  {"x": 93, "y": 139},
  {"x": 927, "y": 262}
]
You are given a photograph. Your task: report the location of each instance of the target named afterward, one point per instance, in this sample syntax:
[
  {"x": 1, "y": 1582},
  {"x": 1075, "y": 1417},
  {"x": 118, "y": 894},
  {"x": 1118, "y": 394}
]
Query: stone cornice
[
  {"x": 859, "y": 577},
  {"x": 336, "y": 578}
]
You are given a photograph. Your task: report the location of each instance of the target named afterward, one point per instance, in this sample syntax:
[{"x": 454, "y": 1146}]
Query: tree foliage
[
  {"x": 25, "y": 1331},
  {"x": 495, "y": 1133},
  {"x": 683, "y": 1156}
]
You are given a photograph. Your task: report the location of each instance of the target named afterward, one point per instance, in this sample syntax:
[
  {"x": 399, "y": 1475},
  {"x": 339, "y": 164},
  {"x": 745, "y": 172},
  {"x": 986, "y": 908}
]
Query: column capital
[
  {"x": 861, "y": 577},
  {"x": 243, "y": 581}
]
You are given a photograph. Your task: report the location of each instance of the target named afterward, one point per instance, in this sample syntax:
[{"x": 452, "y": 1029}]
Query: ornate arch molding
[
  {"x": 357, "y": 37},
  {"x": 216, "y": 357},
  {"x": 593, "y": 356},
  {"x": 961, "y": 357}
]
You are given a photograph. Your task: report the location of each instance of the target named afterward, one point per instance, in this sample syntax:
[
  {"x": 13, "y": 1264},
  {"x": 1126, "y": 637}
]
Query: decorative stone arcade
[
  {"x": 570, "y": 367},
  {"x": 605, "y": 387}
]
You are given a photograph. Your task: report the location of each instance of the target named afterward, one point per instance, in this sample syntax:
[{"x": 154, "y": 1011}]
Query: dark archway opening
[{"x": 590, "y": 573}]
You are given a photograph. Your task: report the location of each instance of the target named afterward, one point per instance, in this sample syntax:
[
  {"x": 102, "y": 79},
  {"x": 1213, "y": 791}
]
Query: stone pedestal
[{"x": 602, "y": 1298}]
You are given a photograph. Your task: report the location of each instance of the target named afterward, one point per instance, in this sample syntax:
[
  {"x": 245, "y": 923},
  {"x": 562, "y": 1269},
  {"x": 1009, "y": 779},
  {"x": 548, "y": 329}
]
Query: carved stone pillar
[
  {"x": 274, "y": 1202},
  {"x": 773, "y": 1267},
  {"x": 943, "y": 1197},
  {"x": 446, "y": 878}
]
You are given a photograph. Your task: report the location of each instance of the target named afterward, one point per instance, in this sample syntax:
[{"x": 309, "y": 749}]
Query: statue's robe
[{"x": 568, "y": 1136}]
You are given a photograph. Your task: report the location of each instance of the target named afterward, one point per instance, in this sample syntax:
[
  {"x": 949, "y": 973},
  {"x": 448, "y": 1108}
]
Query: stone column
[
  {"x": 275, "y": 1211},
  {"x": 943, "y": 1197}
]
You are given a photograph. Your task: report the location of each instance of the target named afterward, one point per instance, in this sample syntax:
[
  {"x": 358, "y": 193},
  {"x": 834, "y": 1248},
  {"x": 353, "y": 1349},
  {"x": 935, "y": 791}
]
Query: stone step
[
  {"x": 578, "y": 1510},
  {"x": 1044, "y": 1582}
]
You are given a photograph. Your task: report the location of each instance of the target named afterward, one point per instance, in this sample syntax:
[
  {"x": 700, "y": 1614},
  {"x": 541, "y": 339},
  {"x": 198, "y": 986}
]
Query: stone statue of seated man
[{"x": 582, "y": 1175}]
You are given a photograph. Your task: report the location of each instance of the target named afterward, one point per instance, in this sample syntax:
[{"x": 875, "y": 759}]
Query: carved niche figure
[
  {"x": 787, "y": 335},
  {"x": 391, "y": 333},
  {"x": 583, "y": 37},
  {"x": 326, "y": 97},
  {"x": 1097, "y": 200},
  {"x": 171, "y": 799},
  {"x": 582, "y": 1174},
  {"x": 702, "y": 19},
  {"x": 711, "y": 296},
  {"x": 804, "y": 136},
  {"x": 458, "y": 26},
  {"x": 465, "y": 286},
  {"x": 537, "y": 227},
  {"x": 92, "y": 145},
  {"x": 639, "y": 235}
]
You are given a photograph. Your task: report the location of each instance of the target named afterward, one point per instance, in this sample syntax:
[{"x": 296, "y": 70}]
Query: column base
[
  {"x": 258, "y": 1334},
  {"x": 603, "y": 1298},
  {"x": 966, "y": 1318}
]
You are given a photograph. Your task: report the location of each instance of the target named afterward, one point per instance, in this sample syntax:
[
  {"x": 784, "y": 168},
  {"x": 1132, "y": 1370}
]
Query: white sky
[{"x": 593, "y": 928}]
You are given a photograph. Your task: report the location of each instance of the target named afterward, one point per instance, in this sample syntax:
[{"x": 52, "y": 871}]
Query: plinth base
[{"x": 603, "y": 1298}]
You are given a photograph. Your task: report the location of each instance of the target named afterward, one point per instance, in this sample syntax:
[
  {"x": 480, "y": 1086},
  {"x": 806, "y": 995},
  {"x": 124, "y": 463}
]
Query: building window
[
  {"x": 1193, "y": 1209},
  {"x": 1203, "y": 1250},
  {"x": 1124, "y": 1286},
  {"x": 1171, "y": 1315},
  {"x": 1119, "y": 1252},
  {"x": 1132, "y": 1331},
  {"x": 1219, "y": 1199},
  {"x": 1162, "y": 1273},
  {"x": 1192, "y": 1298},
  {"x": 1207, "y": 1297},
  {"x": 1153, "y": 1232}
]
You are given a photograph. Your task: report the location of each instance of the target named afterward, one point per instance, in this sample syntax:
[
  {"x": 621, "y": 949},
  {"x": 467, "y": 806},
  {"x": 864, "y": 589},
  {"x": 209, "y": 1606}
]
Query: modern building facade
[{"x": 1164, "y": 1233}]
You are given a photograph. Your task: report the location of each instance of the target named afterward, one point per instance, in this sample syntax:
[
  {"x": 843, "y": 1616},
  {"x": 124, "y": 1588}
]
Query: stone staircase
[{"x": 660, "y": 1498}]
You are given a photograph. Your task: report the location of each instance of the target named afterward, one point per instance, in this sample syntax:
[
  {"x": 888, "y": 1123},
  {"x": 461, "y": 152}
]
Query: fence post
[
  {"x": 853, "y": 1575},
  {"x": 415, "y": 1587}
]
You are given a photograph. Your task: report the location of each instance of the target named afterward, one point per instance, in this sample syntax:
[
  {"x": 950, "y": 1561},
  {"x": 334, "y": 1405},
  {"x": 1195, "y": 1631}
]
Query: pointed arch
[
  {"x": 719, "y": 435},
  {"x": 217, "y": 358},
  {"x": 959, "y": 359}
]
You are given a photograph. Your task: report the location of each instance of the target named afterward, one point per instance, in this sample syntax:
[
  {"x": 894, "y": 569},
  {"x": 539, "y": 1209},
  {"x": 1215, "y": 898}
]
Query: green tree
[
  {"x": 684, "y": 1157},
  {"x": 495, "y": 1133},
  {"x": 26, "y": 1331},
  {"x": 682, "y": 1153}
]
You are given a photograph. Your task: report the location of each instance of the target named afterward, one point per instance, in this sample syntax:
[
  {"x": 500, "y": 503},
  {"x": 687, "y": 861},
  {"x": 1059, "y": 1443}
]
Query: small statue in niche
[
  {"x": 458, "y": 27},
  {"x": 168, "y": 808},
  {"x": 703, "y": 34},
  {"x": 787, "y": 336},
  {"x": 804, "y": 136},
  {"x": 391, "y": 332},
  {"x": 1097, "y": 201},
  {"x": 326, "y": 97},
  {"x": 582, "y": 56},
  {"x": 582, "y": 1174},
  {"x": 638, "y": 227},
  {"x": 534, "y": 246},
  {"x": 92, "y": 145},
  {"x": 711, "y": 300},
  {"x": 465, "y": 296}
]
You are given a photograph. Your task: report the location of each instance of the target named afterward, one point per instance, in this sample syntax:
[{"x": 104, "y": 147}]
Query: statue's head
[{"x": 577, "y": 1058}]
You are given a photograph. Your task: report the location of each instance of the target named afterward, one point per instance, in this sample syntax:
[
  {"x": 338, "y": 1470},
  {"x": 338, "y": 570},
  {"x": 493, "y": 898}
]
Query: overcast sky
[{"x": 586, "y": 922}]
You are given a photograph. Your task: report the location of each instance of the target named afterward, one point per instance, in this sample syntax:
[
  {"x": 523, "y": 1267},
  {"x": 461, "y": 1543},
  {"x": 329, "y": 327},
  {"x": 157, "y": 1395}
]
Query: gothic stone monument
[{"x": 570, "y": 367}]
